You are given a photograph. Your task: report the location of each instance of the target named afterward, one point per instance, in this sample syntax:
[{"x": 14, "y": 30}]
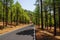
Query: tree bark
[
  {"x": 59, "y": 17},
  {"x": 41, "y": 16},
  {"x": 54, "y": 18},
  {"x": 6, "y": 13}
]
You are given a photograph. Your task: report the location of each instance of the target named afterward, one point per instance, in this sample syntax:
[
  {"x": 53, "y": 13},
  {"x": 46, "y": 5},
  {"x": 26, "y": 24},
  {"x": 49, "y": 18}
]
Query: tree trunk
[
  {"x": 3, "y": 15},
  {"x": 41, "y": 16},
  {"x": 17, "y": 17},
  {"x": 6, "y": 13},
  {"x": 11, "y": 17},
  {"x": 50, "y": 21},
  {"x": 54, "y": 17},
  {"x": 59, "y": 17}
]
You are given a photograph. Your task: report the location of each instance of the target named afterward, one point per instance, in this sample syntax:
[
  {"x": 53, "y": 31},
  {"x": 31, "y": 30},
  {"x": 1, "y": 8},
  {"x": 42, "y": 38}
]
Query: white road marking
[{"x": 34, "y": 34}]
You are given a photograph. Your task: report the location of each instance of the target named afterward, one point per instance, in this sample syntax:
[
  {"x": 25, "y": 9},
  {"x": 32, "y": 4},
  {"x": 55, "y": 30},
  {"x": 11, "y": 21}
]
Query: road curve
[{"x": 26, "y": 33}]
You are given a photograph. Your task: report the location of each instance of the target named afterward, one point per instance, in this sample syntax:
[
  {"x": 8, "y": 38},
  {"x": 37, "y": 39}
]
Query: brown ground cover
[
  {"x": 12, "y": 27},
  {"x": 45, "y": 34}
]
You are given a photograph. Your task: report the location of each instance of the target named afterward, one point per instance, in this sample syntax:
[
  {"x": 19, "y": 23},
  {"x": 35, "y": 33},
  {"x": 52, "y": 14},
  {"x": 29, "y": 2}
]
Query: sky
[{"x": 27, "y": 4}]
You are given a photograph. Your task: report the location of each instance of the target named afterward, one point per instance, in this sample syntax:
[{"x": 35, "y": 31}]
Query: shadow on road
[{"x": 26, "y": 32}]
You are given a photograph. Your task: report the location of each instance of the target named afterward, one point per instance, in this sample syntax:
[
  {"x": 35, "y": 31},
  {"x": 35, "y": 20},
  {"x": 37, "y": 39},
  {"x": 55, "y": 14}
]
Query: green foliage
[
  {"x": 14, "y": 11},
  {"x": 36, "y": 19},
  {"x": 47, "y": 8}
]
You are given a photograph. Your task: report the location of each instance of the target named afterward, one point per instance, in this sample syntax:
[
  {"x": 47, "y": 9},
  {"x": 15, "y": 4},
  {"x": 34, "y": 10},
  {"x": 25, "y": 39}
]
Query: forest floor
[
  {"x": 45, "y": 34},
  {"x": 11, "y": 28}
]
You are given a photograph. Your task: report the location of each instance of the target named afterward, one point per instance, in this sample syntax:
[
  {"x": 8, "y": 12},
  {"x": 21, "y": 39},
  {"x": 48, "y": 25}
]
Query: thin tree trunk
[
  {"x": 45, "y": 19},
  {"x": 17, "y": 17},
  {"x": 6, "y": 13},
  {"x": 11, "y": 17},
  {"x": 50, "y": 21},
  {"x": 59, "y": 17},
  {"x": 14, "y": 21},
  {"x": 54, "y": 17},
  {"x": 3, "y": 15},
  {"x": 41, "y": 16}
]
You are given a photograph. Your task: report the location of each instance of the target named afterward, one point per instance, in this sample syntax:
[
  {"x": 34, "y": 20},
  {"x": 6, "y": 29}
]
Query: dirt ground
[
  {"x": 11, "y": 27},
  {"x": 42, "y": 35}
]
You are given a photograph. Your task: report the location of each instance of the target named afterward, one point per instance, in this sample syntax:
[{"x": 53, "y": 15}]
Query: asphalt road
[{"x": 26, "y": 33}]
